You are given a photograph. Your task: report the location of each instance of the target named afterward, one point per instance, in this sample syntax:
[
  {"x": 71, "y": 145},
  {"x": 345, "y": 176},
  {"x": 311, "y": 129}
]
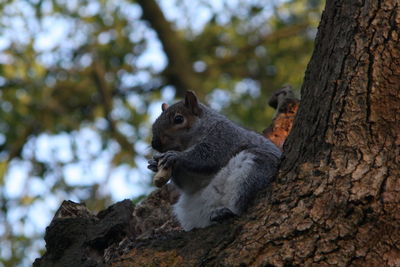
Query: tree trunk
[{"x": 335, "y": 200}]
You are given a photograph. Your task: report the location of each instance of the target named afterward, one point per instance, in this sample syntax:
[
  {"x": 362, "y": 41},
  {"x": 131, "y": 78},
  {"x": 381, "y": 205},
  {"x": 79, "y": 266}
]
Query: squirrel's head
[
  {"x": 175, "y": 128},
  {"x": 278, "y": 96}
]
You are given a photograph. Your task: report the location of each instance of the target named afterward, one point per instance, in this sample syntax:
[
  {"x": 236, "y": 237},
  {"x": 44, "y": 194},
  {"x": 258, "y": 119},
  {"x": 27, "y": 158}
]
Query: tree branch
[
  {"x": 106, "y": 97},
  {"x": 179, "y": 71},
  {"x": 274, "y": 36}
]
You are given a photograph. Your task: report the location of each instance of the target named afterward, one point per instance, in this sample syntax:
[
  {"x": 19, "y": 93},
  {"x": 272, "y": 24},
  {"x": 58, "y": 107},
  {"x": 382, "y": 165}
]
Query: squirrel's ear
[
  {"x": 192, "y": 103},
  {"x": 164, "y": 106}
]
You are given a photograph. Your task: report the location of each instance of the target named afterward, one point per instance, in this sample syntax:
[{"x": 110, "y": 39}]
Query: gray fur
[{"x": 216, "y": 165}]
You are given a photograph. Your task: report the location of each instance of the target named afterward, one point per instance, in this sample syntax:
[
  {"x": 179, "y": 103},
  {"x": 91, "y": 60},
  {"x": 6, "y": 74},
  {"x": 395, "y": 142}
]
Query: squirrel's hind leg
[
  {"x": 228, "y": 184},
  {"x": 258, "y": 178}
]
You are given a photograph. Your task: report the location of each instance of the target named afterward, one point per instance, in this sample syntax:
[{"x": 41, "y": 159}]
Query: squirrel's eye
[{"x": 178, "y": 119}]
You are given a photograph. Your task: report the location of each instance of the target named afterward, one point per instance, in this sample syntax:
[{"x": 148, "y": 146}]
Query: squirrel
[{"x": 217, "y": 165}]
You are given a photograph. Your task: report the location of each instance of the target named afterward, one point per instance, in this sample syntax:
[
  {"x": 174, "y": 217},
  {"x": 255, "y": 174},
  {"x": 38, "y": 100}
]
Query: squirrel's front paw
[{"x": 167, "y": 159}]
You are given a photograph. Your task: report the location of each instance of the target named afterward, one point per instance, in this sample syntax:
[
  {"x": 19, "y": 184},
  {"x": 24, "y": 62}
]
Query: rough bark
[
  {"x": 76, "y": 237},
  {"x": 335, "y": 200}
]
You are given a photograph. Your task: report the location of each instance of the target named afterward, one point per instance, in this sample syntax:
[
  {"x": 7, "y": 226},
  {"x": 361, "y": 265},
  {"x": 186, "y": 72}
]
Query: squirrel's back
[{"x": 235, "y": 134}]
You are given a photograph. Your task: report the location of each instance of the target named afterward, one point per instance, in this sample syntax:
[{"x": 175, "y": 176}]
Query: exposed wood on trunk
[{"x": 286, "y": 105}]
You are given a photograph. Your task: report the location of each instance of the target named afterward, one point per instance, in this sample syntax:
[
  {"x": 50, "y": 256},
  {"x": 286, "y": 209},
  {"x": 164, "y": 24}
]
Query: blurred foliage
[{"x": 85, "y": 73}]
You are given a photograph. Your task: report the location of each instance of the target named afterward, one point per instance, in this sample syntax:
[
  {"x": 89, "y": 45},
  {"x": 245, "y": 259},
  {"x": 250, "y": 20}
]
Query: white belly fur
[{"x": 194, "y": 210}]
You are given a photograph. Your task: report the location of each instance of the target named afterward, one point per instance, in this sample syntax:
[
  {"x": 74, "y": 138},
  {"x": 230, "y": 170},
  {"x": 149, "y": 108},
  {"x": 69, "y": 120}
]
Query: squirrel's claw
[
  {"x": 221, "y": 214},
  {"x": 168, "y": 159},
  {"x": 153, "y": 165}
]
